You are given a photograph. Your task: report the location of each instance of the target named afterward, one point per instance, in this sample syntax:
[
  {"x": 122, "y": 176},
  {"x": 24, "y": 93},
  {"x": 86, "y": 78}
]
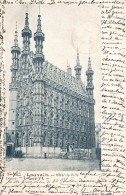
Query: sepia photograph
[{"x": 53, "y": 79}]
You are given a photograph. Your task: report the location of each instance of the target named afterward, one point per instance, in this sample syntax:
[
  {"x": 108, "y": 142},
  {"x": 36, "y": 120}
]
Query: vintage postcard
[{"x": 63, "y": 97}]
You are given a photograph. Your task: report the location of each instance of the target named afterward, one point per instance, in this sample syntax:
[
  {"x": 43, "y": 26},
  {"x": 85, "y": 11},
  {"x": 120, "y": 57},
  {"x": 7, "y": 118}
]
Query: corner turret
[
  {"x": 39, "y": 38},
  {"x": 15, "y": 50},
  {"x": 89, "y": 73},
  {"x": 90, "y": 88}
]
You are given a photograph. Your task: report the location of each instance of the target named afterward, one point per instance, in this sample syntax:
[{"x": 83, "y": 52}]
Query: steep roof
[
  {"x": 63, "y": 78},
  {"x": 56, "y": 76}
]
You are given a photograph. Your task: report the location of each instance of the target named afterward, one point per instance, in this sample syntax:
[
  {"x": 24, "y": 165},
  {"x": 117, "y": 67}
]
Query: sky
[{"x": 66, "y": 28}]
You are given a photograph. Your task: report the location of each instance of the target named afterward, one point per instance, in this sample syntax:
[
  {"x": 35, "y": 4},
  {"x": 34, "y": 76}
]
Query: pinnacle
[
  {"x": 89, "y": 63},
  {"x": 78, "y": 61},
  {"x": 16, "y": 37}
]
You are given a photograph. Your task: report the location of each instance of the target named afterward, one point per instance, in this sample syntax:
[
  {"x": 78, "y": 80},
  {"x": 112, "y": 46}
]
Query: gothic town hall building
[{"x": 48, "y": 106}]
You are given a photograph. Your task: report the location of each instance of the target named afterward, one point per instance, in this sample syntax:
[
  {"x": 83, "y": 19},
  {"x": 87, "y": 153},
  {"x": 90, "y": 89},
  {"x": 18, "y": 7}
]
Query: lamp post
[
  {"x": 20, "y": 145},
  {"x": 23, "y": 139},
  {"x": 30, "y": 138},
  {"x": 41, "y": 145}
]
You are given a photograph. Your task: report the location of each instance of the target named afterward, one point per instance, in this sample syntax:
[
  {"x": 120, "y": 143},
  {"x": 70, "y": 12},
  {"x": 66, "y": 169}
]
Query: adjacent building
[{"x": 98, "y": 135}]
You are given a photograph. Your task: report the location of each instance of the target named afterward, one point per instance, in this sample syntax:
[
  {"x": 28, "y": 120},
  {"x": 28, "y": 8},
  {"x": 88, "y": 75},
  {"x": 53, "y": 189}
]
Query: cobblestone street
[{"x": 15, "y": 164}]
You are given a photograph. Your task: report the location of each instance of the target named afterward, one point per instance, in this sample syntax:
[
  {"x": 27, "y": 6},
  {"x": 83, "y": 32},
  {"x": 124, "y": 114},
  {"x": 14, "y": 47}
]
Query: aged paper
[{"x": 79, "y": 36}]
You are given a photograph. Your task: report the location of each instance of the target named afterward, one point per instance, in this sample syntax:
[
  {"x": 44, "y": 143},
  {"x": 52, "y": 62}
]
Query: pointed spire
[
  {"x": 15, "y": 47},
  {"x": 15, "y": 50},
  {"x": 89, "y": 74},
  {"x": 16, "y": 37},
  {"x": 26, "y": 20},
  {"x": 39, "y": 21},
  {"x": 89, "y": 64},
  {"x": 78, "y": 67},
  {"x": 78, "y": 59},
  {"x": 26, "y": 31},
  {"x": 39, "y": 24},
  {"x": 39, "y": 38},
  {"x": 39, "y": 32}
]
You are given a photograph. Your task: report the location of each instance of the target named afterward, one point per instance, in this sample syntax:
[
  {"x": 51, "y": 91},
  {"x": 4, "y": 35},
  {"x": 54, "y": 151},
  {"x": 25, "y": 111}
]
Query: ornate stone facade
[{"x": 48, "y": 107}]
